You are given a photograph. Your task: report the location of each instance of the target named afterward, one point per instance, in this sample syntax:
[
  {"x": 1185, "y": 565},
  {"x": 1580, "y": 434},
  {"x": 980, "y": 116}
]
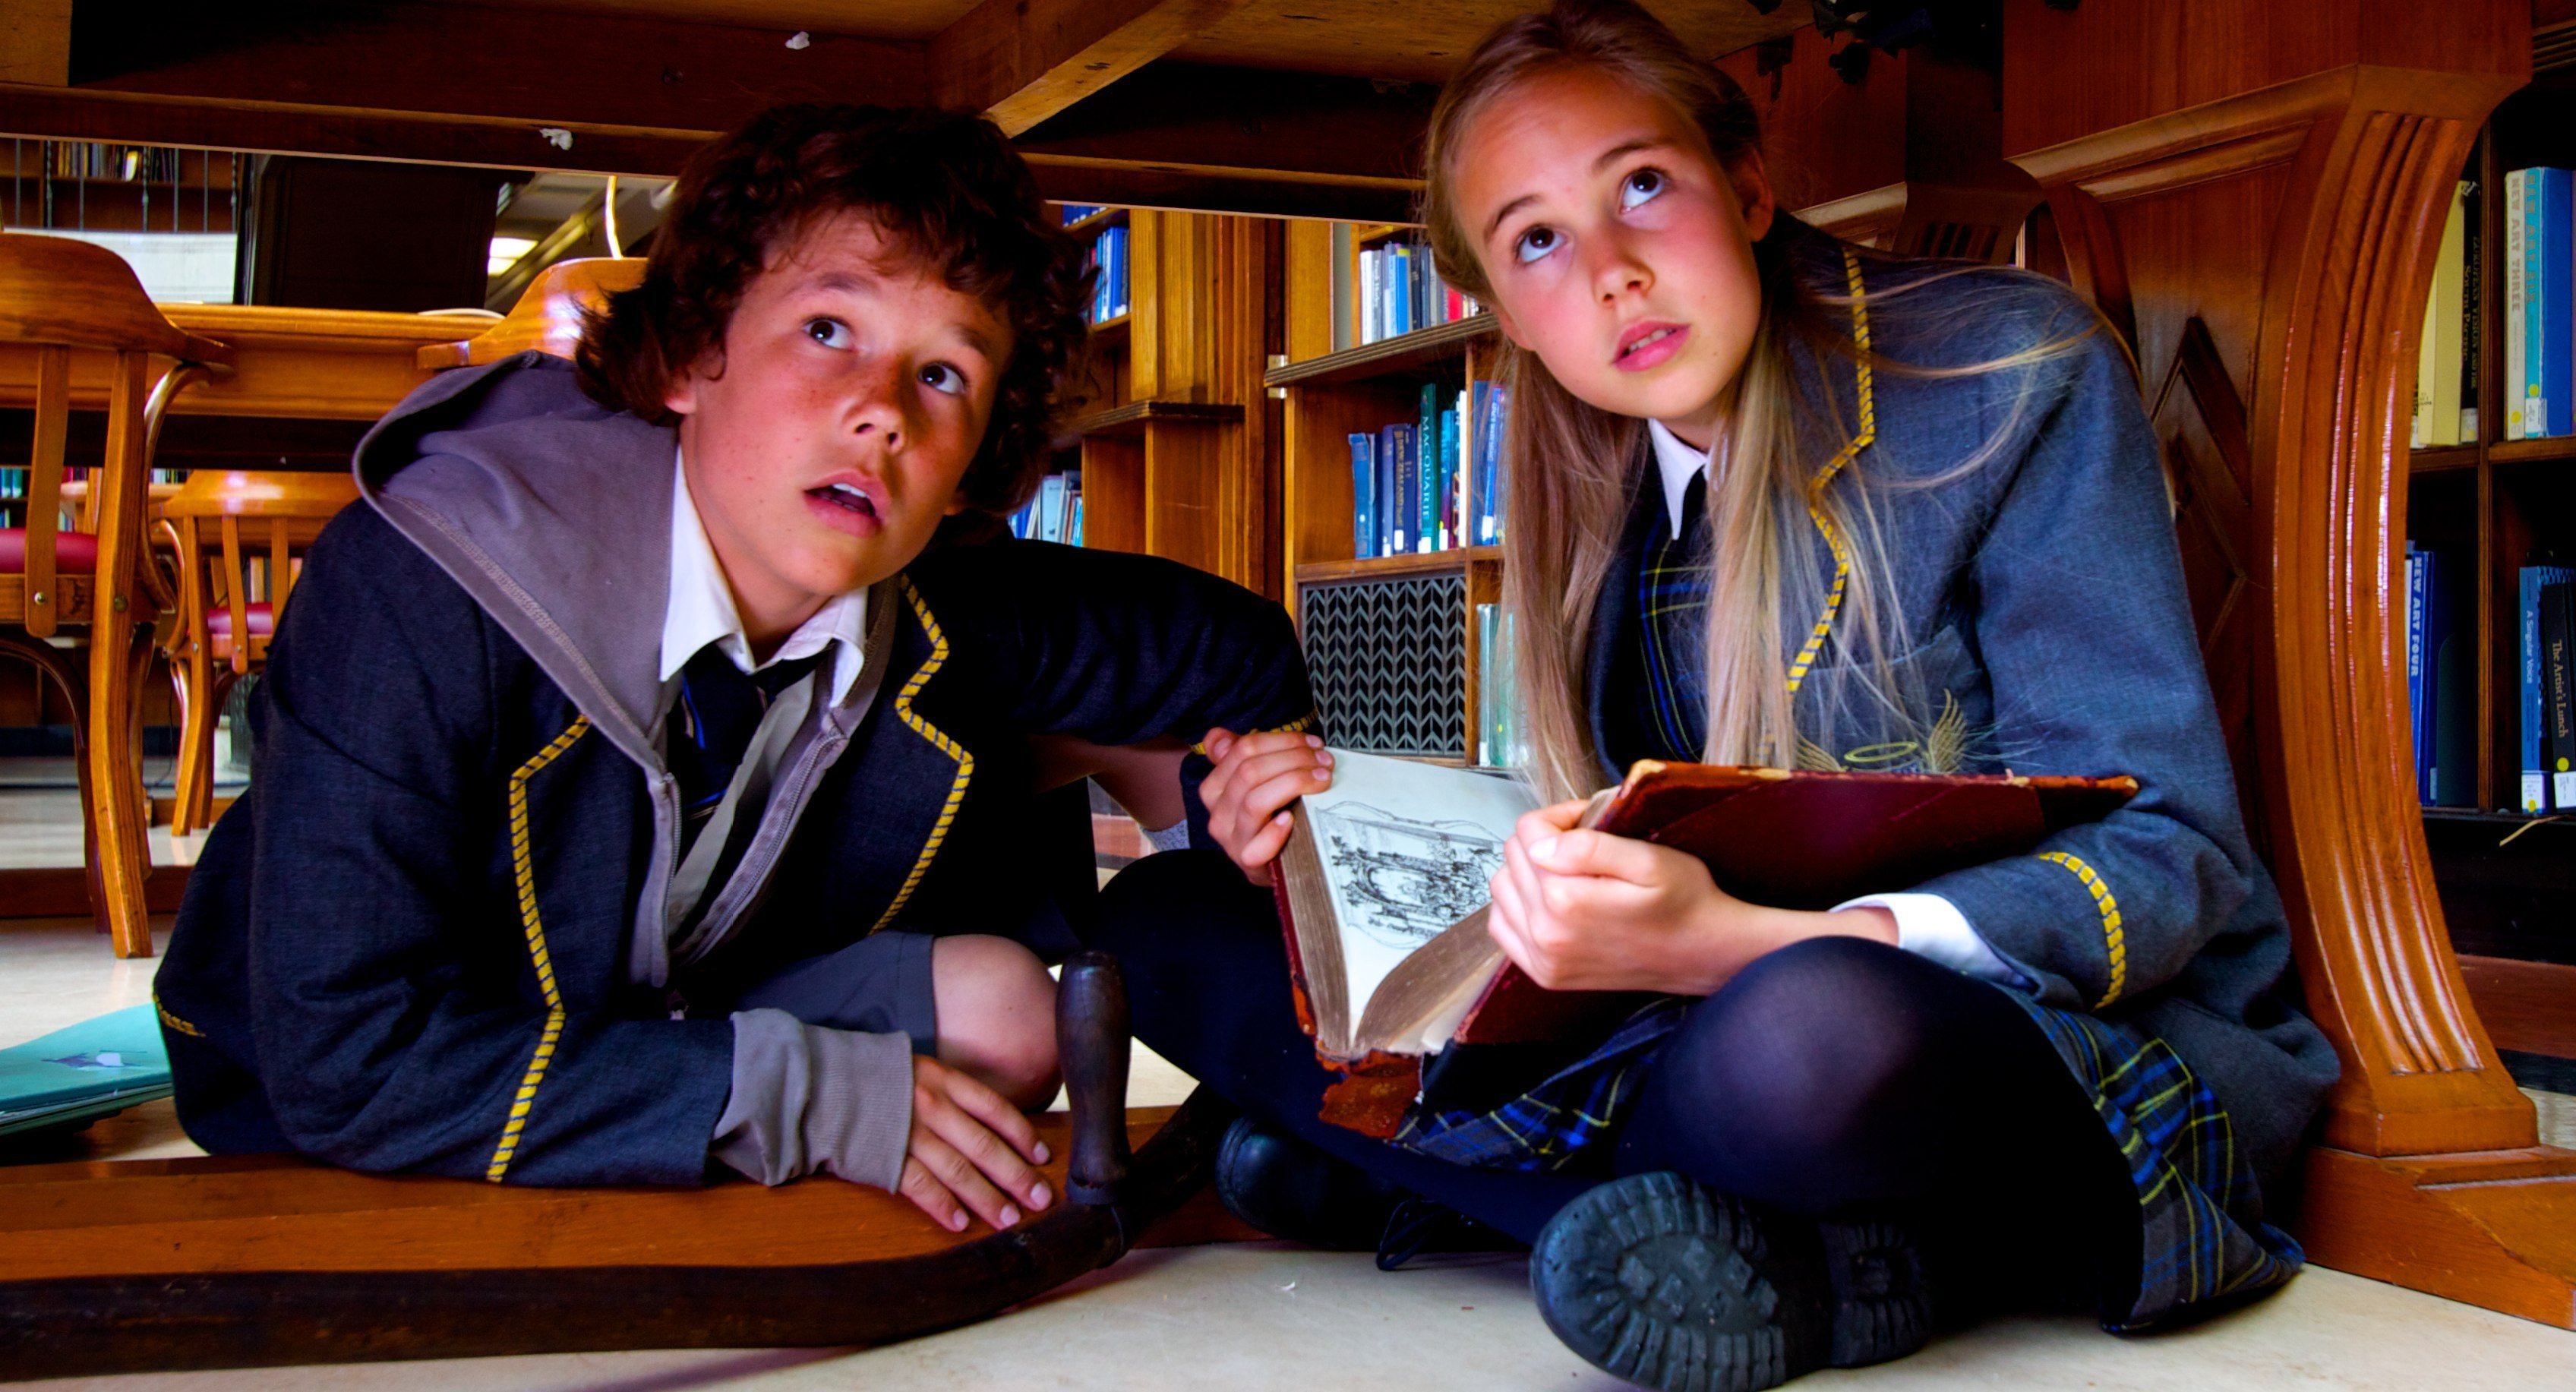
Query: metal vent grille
[{"x": 1388, "y": 661}]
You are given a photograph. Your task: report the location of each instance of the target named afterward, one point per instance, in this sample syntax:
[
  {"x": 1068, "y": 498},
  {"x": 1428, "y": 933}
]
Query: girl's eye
[
  {"x": 831, "y": 333},
  {"x": 1534, "y": 243},
  {"x": 1640, "y": 186},
  {"x": 940, "y": 377}
]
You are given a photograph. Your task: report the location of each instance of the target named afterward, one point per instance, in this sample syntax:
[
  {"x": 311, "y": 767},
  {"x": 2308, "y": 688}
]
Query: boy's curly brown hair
[{"x": 948, "y": 188}]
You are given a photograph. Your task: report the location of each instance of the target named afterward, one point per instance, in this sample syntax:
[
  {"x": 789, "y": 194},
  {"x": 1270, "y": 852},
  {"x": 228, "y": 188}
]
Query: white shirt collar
[
  {"x": 1675, "y": 461},
  {"x": 701, "y": 609}
]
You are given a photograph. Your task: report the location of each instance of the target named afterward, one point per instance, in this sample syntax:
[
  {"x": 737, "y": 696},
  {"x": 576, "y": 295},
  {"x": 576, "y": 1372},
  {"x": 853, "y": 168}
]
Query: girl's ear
[
  {"x": 1512, "y": 331},
  {"x": 1753, "y": 197}
]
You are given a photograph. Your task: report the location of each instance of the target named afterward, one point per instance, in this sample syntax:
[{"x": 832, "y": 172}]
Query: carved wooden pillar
[{"x": 2255, "y": 194}]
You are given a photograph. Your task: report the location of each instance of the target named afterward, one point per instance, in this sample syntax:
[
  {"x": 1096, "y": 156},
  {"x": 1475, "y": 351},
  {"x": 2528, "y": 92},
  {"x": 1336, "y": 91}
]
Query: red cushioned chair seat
[
  {"x": 75, "y": 553},
  {"x": 219, "y": 620}
]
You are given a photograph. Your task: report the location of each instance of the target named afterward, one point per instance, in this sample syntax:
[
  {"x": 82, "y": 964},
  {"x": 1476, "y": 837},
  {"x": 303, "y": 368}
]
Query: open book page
[{"x": 1406, "y": 850}]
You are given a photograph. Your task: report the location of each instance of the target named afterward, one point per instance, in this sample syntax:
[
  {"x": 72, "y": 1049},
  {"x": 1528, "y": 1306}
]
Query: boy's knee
[{"x": 996, "y": 1015}]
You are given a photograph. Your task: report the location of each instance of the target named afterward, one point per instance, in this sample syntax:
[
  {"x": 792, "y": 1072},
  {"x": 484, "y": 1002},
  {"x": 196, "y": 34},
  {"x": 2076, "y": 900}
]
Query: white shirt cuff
[{"x": 1932, "y": 928}]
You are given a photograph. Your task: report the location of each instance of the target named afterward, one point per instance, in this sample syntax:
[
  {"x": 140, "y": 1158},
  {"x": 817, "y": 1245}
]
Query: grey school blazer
[{"x": 2045, "y": 630}]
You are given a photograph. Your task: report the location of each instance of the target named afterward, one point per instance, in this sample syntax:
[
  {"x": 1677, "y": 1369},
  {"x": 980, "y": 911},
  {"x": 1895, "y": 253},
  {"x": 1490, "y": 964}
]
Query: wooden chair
[
  {"x": 547, "y": 317},
  {"x": 62, "y": 297},
  {"x": 227, "y": 611}
]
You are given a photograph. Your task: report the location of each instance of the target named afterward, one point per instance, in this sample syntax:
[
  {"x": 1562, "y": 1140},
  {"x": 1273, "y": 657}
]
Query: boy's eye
[
  {"x": 1640, "y": 186},
  {"x": 831, "y": 333},
  {"x": 1534, "y": 243},
  {"x": 941, "y": 377}
]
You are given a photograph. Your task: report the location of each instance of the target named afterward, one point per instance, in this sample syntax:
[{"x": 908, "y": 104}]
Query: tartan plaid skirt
[{"x": 2200, "y": 1245}]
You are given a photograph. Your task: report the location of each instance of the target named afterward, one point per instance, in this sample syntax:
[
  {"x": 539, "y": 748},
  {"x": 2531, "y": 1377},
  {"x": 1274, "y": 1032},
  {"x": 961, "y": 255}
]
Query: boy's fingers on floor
[
  {"x": 931, "y": 1197},
  {"x": 1000, "y": 1118},
  {"x": 980, "y": 1145}
]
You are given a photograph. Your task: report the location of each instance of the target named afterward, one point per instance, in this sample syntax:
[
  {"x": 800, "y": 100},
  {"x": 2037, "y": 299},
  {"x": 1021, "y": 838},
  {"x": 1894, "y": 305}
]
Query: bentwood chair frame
[
  {"x": 225, "y": 618},
  {"x": 64, "y": 298}
]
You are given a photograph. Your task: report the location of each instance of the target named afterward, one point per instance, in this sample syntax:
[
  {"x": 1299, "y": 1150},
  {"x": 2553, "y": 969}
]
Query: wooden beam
[
  {"x": 36, "y": 42},
  {"x": 1022, "y": 61}
]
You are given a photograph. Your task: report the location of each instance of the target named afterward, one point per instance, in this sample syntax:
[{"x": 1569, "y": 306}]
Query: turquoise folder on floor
[{"x": 77, "y": 1075}]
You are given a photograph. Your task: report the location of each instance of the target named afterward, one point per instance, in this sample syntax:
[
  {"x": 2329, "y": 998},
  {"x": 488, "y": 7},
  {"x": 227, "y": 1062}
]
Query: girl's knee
[{"x": 996, "y": 1015}]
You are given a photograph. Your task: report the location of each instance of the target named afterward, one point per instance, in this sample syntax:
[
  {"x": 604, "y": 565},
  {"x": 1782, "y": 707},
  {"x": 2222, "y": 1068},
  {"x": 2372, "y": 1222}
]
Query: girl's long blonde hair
[{"x": 1573, "y": 467}]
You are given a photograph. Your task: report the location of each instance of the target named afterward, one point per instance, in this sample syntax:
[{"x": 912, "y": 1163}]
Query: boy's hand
[
  {"x": 1589, "y": 911},
  {"x": 970, "y": 1149},
  {"x": 1255, "y": 779}
]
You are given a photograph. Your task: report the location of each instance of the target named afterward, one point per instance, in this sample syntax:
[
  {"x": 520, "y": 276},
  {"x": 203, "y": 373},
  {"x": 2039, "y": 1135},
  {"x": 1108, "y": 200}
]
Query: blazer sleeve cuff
[
  {"x": 811, "y": 1100},
  {"x": 1932, "y": 928}
]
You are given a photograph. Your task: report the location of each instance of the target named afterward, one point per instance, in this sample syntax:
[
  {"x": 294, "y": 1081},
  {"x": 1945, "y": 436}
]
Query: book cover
[
  {"x": 2534, "y": 791},
  {"x": 1448, "y": 501},
  {"x": 2415, "y": 701},
  {"x": 2558, "y": 689},
  {"x": 1119, "y": 277},
  {"x": 1426, "y": 481},
  {"x": 1497, "y": 415},
  {"x": 2450, "y": 682},
  {"x": 1398, "y": 441},
  {"x": 83, "y": 1072},
  {"x": 2443, "y": 347},
  {"x": 1370, "y": 332},
  {"x": 1051, "y": 508},
  {"x": 1479, "y": 433},
  {"x": 2552, "y": 410},
  {"x": 1363, "y": 495},
  {"x": 2472, "y": 304},
  {"x": 1399, "y": 299},
  {"x": 2516, "y": 319}
]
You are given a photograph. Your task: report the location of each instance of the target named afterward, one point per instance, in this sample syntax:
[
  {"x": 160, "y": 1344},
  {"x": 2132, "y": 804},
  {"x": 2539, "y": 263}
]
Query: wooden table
[{"x": 291, "y": 365}]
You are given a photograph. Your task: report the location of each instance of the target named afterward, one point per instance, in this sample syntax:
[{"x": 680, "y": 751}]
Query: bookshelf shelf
[
  {"x": 2529, "y": 451},
  {"x": 1112, "y": 333},
  {"x": 1388, "y": 357},
  {"x": 2446, "y": 457},
  {"x": 1136, "y": 415}
]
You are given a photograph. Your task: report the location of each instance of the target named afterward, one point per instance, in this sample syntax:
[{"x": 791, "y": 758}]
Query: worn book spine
[
  {"x": 2534, "y": 786},
  {"x": 2472, "y": 304},
  {"x": 2515, "y": 318},
  {"x": 1363, "y": 495},
  {"x": 1398, "y": 441},
  {"x": 2558, "y": 680},
  {"x": 2415, "y": 701}
]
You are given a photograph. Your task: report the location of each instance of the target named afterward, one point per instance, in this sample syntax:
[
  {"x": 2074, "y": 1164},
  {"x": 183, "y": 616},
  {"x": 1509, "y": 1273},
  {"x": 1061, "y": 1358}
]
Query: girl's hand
[
  {"x": 1588, "y": 911},
  {"x": 970, "y": 1149},
  {"x": 1247, "y": 795}
]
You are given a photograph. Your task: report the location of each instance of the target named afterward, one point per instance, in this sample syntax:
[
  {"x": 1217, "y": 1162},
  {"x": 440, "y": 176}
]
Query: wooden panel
[
  {"x": 1317, "y": 464},
  {"x": 36, "y": 42},
  {"x": 63, "y": 892},
  {"x": 1021, "y": 61},
  {"x": 1424, "y": 42},
  {"x": 1824, "y": 138},
  {"x": 1113, "y": 493},
  {"x": 2529, "y": 1007},
  {"x": 291, "y": 363},
  {"x": 1309, "y": 288}
]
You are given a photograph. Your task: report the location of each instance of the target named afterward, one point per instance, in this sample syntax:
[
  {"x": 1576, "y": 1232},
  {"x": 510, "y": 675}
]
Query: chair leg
[
  {"x": 116, "y": 790},
  {"x": 50, "y": 665},
  {"x": 186, "y": 772}
]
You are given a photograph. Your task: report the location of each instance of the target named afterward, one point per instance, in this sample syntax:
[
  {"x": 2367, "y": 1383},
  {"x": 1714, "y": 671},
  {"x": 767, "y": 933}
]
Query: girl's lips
[
  {"x": 844, "y": 512},
  {"x": 1648, "y": 345}
]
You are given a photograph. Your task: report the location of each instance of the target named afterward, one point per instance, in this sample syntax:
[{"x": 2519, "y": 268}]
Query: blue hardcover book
[
  {"x": 2449, "y": 718},
  {"x": 2415, "y": 670},
  {"x": 2534, "y": 282},
  {"x": 2535, "y": 779},
  {"x": 1396, "y": 443},
  {"x": 1426, "y": 482},
  {"x": 2557, "y": 303},
  {"x": 1480, "y": 440},
  {"x": 1498, "y": 414},
  {"x": 78, "y": 1074},
  {"x": 1363, "y": 495},
  {"x": 1449, "y": 536},
  {"x": 1121, "y": 278}
]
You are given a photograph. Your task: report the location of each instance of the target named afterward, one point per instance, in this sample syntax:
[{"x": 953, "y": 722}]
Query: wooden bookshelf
[{"x": 1172, "y": 438}]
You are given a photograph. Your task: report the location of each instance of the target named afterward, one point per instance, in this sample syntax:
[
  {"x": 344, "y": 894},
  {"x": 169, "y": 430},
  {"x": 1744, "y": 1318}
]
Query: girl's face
[{"x": 1619, "y": 250}]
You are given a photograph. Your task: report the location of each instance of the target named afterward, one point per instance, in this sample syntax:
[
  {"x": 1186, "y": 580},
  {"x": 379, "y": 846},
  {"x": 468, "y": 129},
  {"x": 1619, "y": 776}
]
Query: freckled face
[
  {"x": 828, "y": 440},
  {"x": 1619, "y": 249}
]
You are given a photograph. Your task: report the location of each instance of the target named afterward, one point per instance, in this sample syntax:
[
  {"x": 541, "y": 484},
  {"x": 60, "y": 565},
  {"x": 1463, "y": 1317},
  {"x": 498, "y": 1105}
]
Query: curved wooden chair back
[
  {"x": 548, "y": 316},
  {"x": 227, "y": 607},
  {"x": 69, "y": 301}
]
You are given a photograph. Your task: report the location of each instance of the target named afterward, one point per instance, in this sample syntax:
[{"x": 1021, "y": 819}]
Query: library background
[{"x": 2339, "y": 239}]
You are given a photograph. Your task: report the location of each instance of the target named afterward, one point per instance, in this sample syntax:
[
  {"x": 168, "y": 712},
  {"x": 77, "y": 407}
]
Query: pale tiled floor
[{"x": 1262, "y": 1316}]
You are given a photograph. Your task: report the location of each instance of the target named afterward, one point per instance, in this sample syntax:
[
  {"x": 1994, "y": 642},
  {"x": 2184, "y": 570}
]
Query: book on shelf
[
  {"x": 1489, "y": 477},
  {"x": 2558, "y": 690},
  {"x": 1109, "y": 287},
  {"x": 1426, "y": 479},
  {"x": 1053, "y": 513},
  {"x": 2536, "y": 791},
  {"x": 1364, "y": 540},
  {"x": 2472, "y": 304},
  {"x": 1399, "y": 290},
  {"x": 2438, "y": 356},
  {"x": 2441, "y": 681},
  {"x": 1404, "y": 457},
  {"x": 1382, "y": 887},
  {"x": 2540, "y": 303},
  {"x": 2416, "y": 703},
  {"x": 2516, "y": 302},
  {"x": 1076, "y": 212}
]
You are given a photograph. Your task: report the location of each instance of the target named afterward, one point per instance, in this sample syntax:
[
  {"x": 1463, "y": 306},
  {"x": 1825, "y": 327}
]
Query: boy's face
[{"x": 827, "y": 442}]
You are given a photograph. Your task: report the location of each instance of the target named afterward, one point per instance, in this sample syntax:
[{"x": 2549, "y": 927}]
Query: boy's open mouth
[{"x": 845, "y": 497}]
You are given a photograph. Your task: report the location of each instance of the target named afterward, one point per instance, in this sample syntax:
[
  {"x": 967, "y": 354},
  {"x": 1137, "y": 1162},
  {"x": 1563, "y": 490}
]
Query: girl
[{"x": 1778, "y": 501}]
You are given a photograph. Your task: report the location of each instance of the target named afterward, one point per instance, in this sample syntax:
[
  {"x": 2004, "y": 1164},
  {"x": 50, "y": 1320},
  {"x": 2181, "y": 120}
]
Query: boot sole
[{"x": 1672, "y": 1286}]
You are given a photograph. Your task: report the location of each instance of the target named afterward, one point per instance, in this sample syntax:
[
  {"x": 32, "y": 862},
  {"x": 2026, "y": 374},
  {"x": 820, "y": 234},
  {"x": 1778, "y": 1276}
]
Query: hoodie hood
[{"x": 554, "y": 513}]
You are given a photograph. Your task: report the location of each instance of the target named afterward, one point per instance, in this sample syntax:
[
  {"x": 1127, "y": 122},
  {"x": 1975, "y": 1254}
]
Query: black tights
[{"x": 1831, "y": 1074}]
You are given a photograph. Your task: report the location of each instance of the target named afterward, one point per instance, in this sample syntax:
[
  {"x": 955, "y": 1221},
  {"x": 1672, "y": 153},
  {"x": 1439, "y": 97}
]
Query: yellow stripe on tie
[
  {"x": 2115, "y": 942},
  {"x": 1824, "y": 476},
  {"x": 939, "y": 740},
  {"x": 522, "y": 865}
]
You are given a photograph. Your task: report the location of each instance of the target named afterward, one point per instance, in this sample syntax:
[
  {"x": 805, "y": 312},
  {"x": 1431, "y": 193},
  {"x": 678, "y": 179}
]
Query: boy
[{"x": 639, "y": 789}]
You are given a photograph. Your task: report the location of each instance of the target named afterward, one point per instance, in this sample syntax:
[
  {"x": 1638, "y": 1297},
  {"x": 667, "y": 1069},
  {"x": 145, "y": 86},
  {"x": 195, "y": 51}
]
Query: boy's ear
[{"x": 1754, "y": 200}]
